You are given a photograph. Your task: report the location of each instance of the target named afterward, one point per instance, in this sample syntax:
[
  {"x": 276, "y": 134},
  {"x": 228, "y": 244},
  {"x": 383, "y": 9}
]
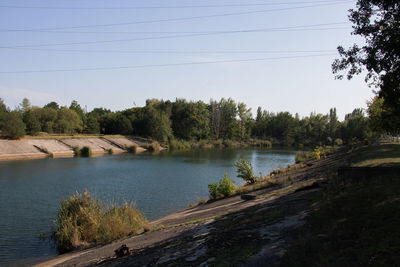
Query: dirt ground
[{"x": 228, "y": 232}]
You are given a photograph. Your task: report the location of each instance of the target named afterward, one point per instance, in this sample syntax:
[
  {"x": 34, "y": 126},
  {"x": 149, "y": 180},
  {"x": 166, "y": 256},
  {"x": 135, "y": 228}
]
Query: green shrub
[
  {"x": 110, "y": 151},
  {"x": 77, "y": 151},
  {"x": 338, "y": 142},
  {"x": 301, "y": 156},
  {"x": 179, "y": 144},
  {"x": 83, "y": 221},
  {"x": 132, "y": 149},
  {"x": 213, "y": 190},
  {"x": 154, "y": 146},
  {"x": 86, "y": 151},
  {"x": 245, "y": 171},
  {"x": 225, "y": 188}
]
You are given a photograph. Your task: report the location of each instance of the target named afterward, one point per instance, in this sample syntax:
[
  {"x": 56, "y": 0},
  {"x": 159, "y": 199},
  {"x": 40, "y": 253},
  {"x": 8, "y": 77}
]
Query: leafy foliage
[
  {"x": 225, "y": 188},
  {"x": 245, "y": 171},
  {"x": 377, "y": 21}
]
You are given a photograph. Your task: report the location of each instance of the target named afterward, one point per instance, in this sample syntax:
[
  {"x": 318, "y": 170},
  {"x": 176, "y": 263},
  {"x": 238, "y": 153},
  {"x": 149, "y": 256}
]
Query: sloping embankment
[{"x": 62, "y": 147}]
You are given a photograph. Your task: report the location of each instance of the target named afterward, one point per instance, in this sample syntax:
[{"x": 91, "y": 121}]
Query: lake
[{"x": 159, "y": 184}]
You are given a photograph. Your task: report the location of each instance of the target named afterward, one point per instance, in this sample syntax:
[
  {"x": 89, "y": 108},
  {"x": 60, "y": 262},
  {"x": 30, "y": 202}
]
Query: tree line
[{"x": 189, "y": 120}]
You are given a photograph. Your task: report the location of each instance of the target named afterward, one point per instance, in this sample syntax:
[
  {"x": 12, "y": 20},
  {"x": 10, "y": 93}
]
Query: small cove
[{"x": 159, "y": 184}]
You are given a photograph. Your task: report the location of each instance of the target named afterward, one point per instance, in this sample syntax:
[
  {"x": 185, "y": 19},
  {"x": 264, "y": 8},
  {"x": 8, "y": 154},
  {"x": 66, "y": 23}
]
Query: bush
[
  {"x": 77, "y": 151},
  {"x": 154, "y": 146},
  {"x": 86, "y": 151},
  {"x": 179, "y": 144},
  {"x": 132, "y": 149},
  {"x": 301, "y": 156},
  {"x": 245, "y": 171},
  {"x": 83, "y": 221},
  {"x": 110, "y": 151},
  {"x": 213, "y": 190},
  {"x": 338, "y": 142},
  {"x": 225, "y": 188}
]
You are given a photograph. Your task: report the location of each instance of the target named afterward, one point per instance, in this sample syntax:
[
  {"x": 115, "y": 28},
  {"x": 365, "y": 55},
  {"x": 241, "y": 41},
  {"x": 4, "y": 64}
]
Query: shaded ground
[
  {"x": 227, "y": 232},
  {"x": 355, "y": 223}
]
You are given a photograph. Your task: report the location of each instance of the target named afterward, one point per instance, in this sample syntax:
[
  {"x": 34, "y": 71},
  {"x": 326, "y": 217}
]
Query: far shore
[{"x": 62, "y": 146}]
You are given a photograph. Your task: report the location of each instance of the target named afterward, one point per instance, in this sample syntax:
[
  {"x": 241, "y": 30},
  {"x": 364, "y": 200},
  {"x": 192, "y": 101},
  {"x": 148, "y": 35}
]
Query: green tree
[
  {"x": 13, "y": 127},
  {"x": 378, "y": 23},
  {"x": 245, "y": 115},
  {"x": 78, "y": 109},
  {"x": 47, "y": 117},
  {"x": 3, "y": 111},
  {"x": 52, "y": 105},
  {"x": 32, "y": 122},
  {"x": 68, "y": 121}
]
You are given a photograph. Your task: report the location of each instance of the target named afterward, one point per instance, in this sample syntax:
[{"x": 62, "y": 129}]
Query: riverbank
[
  {"x": 63, "y": 146},
  {"x": 226, "y": 231}
]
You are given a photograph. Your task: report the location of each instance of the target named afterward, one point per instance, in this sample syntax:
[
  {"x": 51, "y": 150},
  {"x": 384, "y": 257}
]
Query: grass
[
  {"x": 84, "y": 221},
  {"x": 356, "y": 223},
  {"x": 385, "y": 155}
]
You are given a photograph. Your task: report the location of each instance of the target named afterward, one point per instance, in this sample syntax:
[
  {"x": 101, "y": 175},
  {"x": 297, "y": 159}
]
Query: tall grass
[{"x": 84, "y": 221}]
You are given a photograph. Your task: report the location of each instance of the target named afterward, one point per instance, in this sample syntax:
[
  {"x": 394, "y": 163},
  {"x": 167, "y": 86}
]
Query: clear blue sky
[{"x": 299, "y": 82}]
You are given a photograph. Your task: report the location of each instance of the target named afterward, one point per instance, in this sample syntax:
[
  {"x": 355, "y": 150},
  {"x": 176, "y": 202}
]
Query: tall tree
[
  {"x": 378, "y": 23},
  {"x": 13, "y": 127}
]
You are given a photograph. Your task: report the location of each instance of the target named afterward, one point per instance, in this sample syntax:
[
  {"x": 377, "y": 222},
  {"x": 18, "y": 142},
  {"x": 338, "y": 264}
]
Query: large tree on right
[{"x": 378, "y": 22}]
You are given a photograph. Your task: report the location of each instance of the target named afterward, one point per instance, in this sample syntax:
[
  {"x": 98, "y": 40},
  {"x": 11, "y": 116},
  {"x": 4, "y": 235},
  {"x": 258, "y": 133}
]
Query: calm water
[{"x": 30, "y": 191}]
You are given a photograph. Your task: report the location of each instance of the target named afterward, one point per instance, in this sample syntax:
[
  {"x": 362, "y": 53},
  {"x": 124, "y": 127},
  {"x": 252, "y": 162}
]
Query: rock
[{"x": 121, "y": 251}]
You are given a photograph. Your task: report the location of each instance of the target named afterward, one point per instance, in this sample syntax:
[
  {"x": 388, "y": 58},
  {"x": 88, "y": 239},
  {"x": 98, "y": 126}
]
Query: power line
[
  {"x": 160, "y": 32},
  {"x": 183, "y": 18},
  {"x": 165, "y": 65},
  {"x": 177, "y": 51},
  {"x": 167, "y": 7},
  {"x": 291, "y": 28}
]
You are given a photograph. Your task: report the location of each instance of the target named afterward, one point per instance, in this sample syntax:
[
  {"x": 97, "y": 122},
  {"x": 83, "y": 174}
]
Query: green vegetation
[
  {"x": 356, "y": 221},
  {"x": 385, "y": 155},
  {"x": 83, "y": 221},
  {"x": 132, "y": 149},
  {"x": 376, "y": 21},
  {"x": 352, "y": 223},
  {"x": 13, "y": 126},
  {"x": 184, "y": 125},
  {"x": 245, "y": 171},
  {"x": 225, "y": 188},
  {"x": 85, "y": 152}
]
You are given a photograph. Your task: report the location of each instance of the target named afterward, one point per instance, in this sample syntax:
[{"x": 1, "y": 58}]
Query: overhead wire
[
  {"x": 290, "y": 28},
  {"x": 167, "y": 7},
  {"x": 180, "y": 18},
  {"x": 164, "y": 65}
]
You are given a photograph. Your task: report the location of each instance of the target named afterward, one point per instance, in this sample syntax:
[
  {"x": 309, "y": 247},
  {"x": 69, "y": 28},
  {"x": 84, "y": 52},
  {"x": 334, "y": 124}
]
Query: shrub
[
  {"x": 77, "y": 151},
  {"x": 245, "y": 171},
  {"x": 213, "y": 190},
  {"x": 110, "y": 151},
  {"x": 226, "y": 187},
  {"x": 154, "y": 146},
  {"x": 86, "y": 151},
  {"x": 132, "y": 149},
  {"x": 179, "y": 144},
  {"x": 301, "y": 156},
  {"x": 338, "y": 142},
  {"x": 83, "y": 221}
]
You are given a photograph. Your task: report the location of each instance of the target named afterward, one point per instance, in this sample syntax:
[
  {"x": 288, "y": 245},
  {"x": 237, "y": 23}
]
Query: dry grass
[{"x": 84, "y": 221}]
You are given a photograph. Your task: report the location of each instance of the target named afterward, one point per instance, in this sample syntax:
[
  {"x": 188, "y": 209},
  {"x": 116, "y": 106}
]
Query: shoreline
[
  {"x": 63, "y": 147},
  {"x": 202, "y": 220}
]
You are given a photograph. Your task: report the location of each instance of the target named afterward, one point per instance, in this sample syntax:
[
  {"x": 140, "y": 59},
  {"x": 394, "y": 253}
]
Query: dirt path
[{"x": 228, "y": 231}]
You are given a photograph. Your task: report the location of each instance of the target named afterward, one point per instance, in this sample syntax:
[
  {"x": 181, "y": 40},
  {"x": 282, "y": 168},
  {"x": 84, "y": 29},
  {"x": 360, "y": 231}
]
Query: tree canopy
[{"x": 378, "y": 23}]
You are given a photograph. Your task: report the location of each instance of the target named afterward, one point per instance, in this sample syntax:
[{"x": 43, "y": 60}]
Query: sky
[{"x": 274, "y": 54}]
